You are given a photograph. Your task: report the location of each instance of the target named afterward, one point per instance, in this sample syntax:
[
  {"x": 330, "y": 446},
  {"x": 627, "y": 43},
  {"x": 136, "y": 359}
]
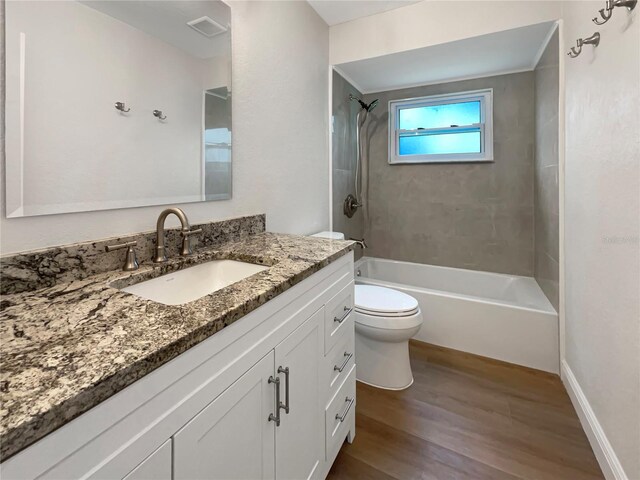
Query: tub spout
[{"x": 361, "y": 242}]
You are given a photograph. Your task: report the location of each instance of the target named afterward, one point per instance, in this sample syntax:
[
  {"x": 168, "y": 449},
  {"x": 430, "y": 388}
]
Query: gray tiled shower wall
[
  {"x": 344, "y": 157},
  {"x": 546, "y": 197},
  {"x": 474, "y": 215},
  {"x": 499, "y": 217}
]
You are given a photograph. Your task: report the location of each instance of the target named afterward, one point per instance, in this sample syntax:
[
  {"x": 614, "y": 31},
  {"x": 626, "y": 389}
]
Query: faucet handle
[
  {"x": 188, "y": 233},
  {"x": 130, "y": 262},
  {"x": 186, "y": 241}
]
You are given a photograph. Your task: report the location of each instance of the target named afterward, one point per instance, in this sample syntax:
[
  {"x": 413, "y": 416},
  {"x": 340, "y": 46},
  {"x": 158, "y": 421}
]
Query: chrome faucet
[{"x": 186, "y": 232}]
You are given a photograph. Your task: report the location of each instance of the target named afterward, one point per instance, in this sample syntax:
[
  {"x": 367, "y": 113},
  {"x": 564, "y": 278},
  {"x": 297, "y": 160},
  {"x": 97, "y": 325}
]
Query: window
[{"x": 442, "y": 128}]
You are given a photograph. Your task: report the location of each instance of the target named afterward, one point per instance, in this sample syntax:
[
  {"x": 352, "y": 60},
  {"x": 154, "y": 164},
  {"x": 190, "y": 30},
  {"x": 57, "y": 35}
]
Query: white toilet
[{"x": 385, "y": 320}]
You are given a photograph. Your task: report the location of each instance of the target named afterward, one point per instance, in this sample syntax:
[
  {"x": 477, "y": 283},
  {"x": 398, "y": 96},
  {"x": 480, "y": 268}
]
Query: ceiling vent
[{"x": 206, "y": 26}]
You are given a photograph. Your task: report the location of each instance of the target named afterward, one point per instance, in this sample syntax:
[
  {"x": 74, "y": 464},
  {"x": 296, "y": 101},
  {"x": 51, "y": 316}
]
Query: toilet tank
[{"x": 330, "y": 235}]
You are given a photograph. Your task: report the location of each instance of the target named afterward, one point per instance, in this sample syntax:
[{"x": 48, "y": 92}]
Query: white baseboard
[{"x": 607, "y": 458}]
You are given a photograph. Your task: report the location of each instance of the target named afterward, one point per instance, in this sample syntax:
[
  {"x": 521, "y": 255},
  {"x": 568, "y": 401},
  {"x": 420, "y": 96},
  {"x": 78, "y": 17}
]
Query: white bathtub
[{"x": 506, "y": 317}]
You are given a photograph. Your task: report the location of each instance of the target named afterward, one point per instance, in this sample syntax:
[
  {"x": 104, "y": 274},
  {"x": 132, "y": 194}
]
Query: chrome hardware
[
  {"x": 350, "y": 206},
  {"x": 285, "y": 405},
  {"x": 158, "y": 115},
  {"x": 607, "y": 11},
  {"x": 186, "y": 241},
  {"x": 358, "y": 273},
  {"x": 130, "y": 261},
  {"x": 630, "y": 4},
  {"x": 120, "y": 106},
  {"x": 346, "y": 410},
  {"x": 276, "y": 417},
  {"x": 344, "y": 364},
  {"x": 341, "y": 319},
  {"x": 592, "y": 40},
  {"x": 160, "y": 255},
  {"x": 361, "y": 243}
]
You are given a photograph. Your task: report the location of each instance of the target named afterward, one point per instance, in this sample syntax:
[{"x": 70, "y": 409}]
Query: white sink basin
[{"x": 195, "y": 282}]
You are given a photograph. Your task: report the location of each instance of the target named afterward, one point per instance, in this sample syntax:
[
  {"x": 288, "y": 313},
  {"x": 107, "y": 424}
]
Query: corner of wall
[{"x": 602, "y": 449}]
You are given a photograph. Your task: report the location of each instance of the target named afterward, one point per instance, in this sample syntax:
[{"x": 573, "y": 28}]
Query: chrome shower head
[{"x": 364, "y": 106}]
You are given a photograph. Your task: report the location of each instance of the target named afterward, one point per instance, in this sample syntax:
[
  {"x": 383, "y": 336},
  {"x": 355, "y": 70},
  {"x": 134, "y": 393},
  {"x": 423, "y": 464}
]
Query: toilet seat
[{"x": 382, "y": 307}]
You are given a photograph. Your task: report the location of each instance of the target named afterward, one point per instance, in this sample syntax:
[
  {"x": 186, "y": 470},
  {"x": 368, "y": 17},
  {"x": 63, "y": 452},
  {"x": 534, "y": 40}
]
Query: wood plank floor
[{"x": 467, "y": 417}]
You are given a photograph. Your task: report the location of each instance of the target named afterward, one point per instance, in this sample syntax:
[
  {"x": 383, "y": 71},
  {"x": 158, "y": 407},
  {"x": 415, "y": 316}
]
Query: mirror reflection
[{"x": 135, "y": 109}]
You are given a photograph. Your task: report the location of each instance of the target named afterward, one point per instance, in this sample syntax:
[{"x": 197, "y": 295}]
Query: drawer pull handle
[
  {"x": 344, "y": 364},
  {"x": 346, "y": 410},
  {"x": 285, "y": 405},
  {"x": 347, "y": 311},
  {"x": 276, "y": 417}
]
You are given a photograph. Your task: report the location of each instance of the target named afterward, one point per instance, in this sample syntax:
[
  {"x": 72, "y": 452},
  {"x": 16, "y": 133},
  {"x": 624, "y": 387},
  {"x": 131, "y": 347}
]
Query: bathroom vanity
[{"x": 255, "y": 380}]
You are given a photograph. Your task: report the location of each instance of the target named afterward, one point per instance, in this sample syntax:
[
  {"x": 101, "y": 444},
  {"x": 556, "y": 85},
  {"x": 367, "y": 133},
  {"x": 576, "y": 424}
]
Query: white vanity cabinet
[
  {"x": 211, "y": 412},
  {"x": 299, "y": 438},
  {"x": 231, "y": 438},
  {"x": 157, "y": 466},
  {"x": 243, "y": 435}
]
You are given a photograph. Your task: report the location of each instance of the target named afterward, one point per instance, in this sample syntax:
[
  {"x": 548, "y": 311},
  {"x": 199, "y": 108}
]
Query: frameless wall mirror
[{"x": 116, "y": 104}]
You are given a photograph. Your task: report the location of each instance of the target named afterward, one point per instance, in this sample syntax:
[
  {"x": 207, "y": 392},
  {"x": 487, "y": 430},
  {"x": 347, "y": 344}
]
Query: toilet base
[
  {"x": 382, "y": 356},
  {"x": 384, "y": 388}
]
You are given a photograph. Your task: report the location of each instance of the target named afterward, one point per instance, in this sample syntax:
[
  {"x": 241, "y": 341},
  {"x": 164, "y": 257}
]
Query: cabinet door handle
[
  {"x": 341, "y": 319},
  {"x": 344, "y": 364},
  {"x": 285, "y": 405},
  {"x": 276, "y": 417},
  {"x": 346, "y": 410}
]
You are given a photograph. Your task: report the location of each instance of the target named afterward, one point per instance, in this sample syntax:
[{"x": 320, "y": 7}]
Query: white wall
[
  {"x": 280, "y": 103},
  {"x": 430, "y": 23},
  {"x": 602, "y": 226}
]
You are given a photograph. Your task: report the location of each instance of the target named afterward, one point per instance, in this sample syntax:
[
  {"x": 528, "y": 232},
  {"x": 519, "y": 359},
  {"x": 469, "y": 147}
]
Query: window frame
[{"x": 485, "y": 96}]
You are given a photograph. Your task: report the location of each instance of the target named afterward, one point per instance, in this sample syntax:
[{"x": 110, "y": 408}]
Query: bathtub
[{"x": 505, "y": 317}]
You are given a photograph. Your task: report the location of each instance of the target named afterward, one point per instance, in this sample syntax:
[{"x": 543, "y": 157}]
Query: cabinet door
[
  {"x": 232, "y": 438},
  {"x": 299, "y": 438},
  {"x": 156, "y": 466}
]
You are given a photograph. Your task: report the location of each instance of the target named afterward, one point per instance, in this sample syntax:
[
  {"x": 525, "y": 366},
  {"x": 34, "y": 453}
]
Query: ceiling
[
  {"x": 339, "y": 11},
  {"x": 502, "y": 52},
  {"x": 167, "y": 20}
]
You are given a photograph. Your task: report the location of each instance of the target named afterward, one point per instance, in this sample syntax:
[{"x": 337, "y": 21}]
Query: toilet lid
[{"x": 383, "y": 301}]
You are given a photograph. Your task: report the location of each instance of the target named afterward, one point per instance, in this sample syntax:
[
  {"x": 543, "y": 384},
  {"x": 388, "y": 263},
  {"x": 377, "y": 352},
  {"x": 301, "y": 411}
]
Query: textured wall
[
  {"x": 343, "y": 154},
  {"x": 546, "y": 196},
  {"x": 602, "y": 223},
  {"x": 280, "y": 142},
  {"x": 476, "y": 215}
]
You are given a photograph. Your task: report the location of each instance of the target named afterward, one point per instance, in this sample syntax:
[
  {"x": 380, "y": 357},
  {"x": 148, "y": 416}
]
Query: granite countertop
[{"x": 67, "y": 347}]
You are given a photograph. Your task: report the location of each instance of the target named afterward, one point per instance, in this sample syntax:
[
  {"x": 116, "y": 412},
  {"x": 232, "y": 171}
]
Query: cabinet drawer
[
  {"x": 338, "y": 362},
  {"x": 339, "y": 413},
  {"x": 337, "y": 312}
]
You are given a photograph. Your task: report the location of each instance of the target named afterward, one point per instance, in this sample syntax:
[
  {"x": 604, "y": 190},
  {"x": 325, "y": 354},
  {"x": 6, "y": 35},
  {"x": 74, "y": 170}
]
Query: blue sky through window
[
  {"x": 464, "y": 142},
  {"x": 438, "y": 116}
]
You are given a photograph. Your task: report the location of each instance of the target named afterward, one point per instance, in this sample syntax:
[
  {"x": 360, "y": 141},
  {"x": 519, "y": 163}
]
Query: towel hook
[
  {"x": 592, "y": 40},
  {"x": 607, "y": 11},
  {"x": 158, "y": 115},
  {"x": 630, "y": 4},
  {"x": 120, "y": 106}
]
